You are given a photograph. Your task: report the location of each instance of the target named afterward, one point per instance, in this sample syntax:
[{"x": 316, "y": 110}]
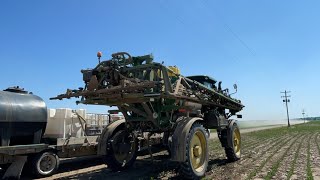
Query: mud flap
[
  {"x": 15, "y": 169},
  {"x": 225, "y": 133},
  {"x": 229, "y": 140},
  {"x": 179, "y": 137},
  {"x": 107, "y": 133}
]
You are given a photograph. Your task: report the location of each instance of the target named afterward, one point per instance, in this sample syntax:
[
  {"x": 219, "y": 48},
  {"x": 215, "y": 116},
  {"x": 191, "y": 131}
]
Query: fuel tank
[{"x": 23, "y": 117}]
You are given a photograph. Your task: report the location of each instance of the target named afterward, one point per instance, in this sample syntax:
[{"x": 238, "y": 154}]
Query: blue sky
[{"x": 264, "y": 46}]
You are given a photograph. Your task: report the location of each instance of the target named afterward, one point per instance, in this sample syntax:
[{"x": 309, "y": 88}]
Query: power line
[
  {"x": 235, "y": 35},
  {"x": 180, "y": 20},
  {"x": 286, "y": 100}
]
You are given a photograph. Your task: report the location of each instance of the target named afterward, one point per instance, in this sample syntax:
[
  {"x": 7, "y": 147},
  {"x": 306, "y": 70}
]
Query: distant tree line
[{"x": 310, "y": 118}]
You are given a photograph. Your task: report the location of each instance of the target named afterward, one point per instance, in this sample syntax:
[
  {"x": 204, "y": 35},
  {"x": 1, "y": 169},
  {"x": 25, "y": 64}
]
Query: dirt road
[
  {"x": 213, "y": 135},
  {"x": 278, "y": 153}
]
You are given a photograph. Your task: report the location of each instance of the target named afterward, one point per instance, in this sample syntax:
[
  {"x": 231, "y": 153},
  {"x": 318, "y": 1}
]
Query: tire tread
[{"x": 185, "y": 168}]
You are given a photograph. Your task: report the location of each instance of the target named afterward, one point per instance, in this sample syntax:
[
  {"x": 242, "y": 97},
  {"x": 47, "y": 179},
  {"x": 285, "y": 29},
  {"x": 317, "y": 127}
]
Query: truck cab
[{"x": 207, "y": 81}]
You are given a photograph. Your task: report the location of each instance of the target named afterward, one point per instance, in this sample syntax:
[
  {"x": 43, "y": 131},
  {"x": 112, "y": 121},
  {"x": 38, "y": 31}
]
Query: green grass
[
  {"x": 262, "y": 126},
  {"x": 309, "y": 127}
]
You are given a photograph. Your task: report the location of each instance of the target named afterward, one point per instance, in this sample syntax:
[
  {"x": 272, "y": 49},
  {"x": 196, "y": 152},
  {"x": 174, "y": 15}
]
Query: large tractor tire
[
  {"x": 121, "y": 151},
  {"x": 197, "y": 154},
  {"x": 231, "y": 141}
]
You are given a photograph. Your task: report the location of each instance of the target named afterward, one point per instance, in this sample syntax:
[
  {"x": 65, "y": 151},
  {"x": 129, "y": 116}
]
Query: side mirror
[{"x": 235, "y": 88}]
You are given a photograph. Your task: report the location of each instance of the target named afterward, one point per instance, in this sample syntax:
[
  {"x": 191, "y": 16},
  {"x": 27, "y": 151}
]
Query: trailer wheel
[
  {"x": 44, "y": 164},
  {"x": 121, "y": 151},
  {"x": 233, "y": 152},
  {"x": 196, "y": 162}
]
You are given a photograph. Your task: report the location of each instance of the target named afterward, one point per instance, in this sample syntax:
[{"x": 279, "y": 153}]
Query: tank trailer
[{"x": 156, "y": 99}]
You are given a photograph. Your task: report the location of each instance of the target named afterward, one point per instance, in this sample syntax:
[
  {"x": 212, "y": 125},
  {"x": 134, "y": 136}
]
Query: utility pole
[
  {"x": 286, "y": 100},
  {"x": 303, "y": 113}
]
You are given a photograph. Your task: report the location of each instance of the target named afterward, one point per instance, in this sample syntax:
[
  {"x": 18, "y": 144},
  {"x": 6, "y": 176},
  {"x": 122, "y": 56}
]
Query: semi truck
[{"x": 35, "y": 137}]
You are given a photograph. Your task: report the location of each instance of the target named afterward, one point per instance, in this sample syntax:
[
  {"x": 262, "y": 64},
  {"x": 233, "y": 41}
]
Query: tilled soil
[
  {"x": 276, "y": 159},
  {"x": 267, "y": 154},
  {"x": 288, "y": 162},
  {"x": 315, "y": 157}
]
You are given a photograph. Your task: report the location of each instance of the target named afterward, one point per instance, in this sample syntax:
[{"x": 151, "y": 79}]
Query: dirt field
[{"x": 278, "y": 153}]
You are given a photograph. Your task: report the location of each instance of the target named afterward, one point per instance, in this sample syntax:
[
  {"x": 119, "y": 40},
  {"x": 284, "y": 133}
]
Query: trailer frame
[{"x": 18, "y": 155}]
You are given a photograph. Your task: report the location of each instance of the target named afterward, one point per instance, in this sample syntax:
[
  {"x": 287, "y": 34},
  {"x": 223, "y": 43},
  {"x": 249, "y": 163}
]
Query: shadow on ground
[
  {"x": 143, "y": 168},
  {"x": 160, "y": 168}
]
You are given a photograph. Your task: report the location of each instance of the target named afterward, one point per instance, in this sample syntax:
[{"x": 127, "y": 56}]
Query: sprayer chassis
[{"x": 155, "y": 99}]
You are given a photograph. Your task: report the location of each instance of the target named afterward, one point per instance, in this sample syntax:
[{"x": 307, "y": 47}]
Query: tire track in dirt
[
  {"x": 300, "y": 167},
  {"x": 273, "y": 165},
  {"x": 263, "y": 163},
  {"x": 236, "y": 169},
  {"x": 287, "y": 165},
  {"x": 315, "y": 154}
]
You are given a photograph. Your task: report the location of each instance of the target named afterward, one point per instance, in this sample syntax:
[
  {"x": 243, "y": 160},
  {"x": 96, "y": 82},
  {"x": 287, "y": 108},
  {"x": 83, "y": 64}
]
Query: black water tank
[{"x": 23, "y": 117}]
